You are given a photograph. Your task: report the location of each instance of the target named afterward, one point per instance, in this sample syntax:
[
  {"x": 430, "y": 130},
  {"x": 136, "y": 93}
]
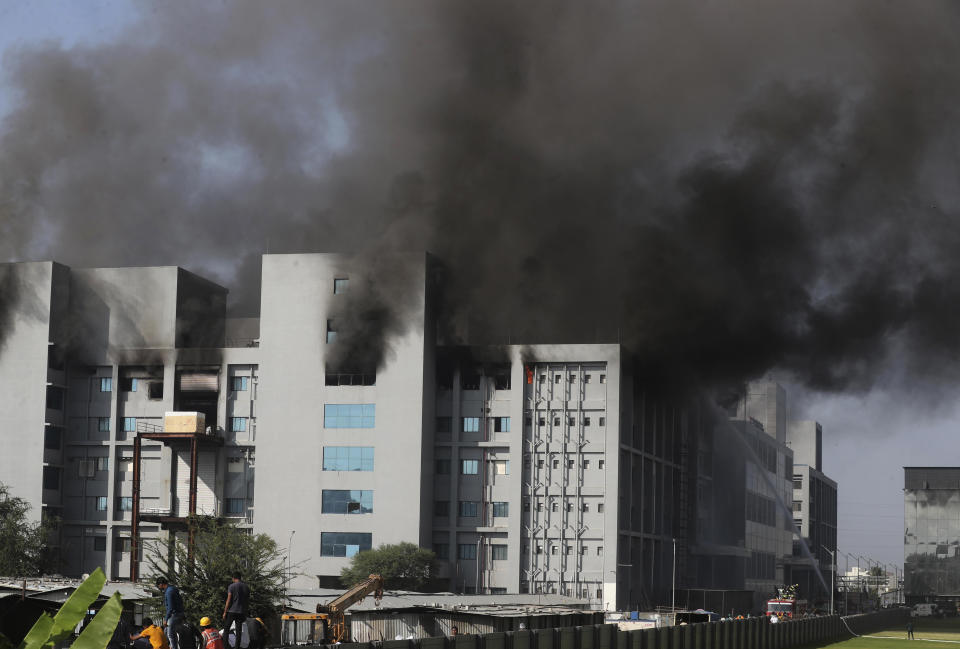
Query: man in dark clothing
[
  {"x": 235, "y": 610},
  {"x": 175, "y": 615}
]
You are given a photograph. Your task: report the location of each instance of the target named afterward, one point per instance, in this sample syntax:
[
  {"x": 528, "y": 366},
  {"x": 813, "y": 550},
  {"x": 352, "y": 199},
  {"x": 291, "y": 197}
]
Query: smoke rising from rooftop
[{"x": 726, "y": 189}]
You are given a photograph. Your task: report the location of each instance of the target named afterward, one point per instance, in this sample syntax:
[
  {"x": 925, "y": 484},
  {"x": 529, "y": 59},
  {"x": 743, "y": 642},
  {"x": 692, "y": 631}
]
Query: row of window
[
  {"x": 236, "y": 383},
  {"x": 125, "y": 504},
  {"x": 346, "y": 501},
  {"x": 472, "y": 467},
  {"x": 558, "y": 419},
  {"x": 571, "y": 378},
  {"x": 355, "y": 415},
  {"x": 567, "y": 549},
  {"x": 555, "y": 506},
  {"x": 468, "y": 551},
  {"x": 555, "y": 463},
  {"x": 469, "y": 509},
  {"x": 344, "y": 544},
  {"x": 348, "y": 458},
  {"x": 237, "y": 424}
]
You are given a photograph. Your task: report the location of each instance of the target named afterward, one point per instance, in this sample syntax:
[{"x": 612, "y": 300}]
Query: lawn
[{"x": 928, "y": 632}]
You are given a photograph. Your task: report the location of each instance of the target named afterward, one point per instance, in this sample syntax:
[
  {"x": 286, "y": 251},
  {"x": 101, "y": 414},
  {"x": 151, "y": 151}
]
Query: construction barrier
[{"x": 751, "y": 633}]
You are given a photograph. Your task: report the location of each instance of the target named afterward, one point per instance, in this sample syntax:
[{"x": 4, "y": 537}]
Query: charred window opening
[
  {"x": 155, "y": 390},
  {"x": 54, "y": 397},
  {"x": 197, "y": 391},
  {"x": 361, "y": 377},
  {"x": 470, "y": 379},
  {"x": 142, "y": 379}
]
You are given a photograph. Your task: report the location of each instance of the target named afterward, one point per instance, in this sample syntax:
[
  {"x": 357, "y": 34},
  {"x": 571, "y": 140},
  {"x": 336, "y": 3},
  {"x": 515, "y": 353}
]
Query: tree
[
  {"x": 403, "y": 566},
  {"x": 220, "y": 549},
  {"x": 24, "y": 551}
]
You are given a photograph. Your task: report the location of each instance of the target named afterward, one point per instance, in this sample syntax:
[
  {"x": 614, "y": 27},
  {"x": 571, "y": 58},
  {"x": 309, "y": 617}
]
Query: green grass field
[{"x": 928, "y": 632}]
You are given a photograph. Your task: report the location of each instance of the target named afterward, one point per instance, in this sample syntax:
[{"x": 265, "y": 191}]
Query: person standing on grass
[
  {"x": 235, "y": 610},
  {"x": 909, "y": 630}
]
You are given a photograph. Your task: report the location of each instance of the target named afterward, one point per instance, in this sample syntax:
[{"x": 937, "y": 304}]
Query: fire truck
[{"x": 786, "y": 604}]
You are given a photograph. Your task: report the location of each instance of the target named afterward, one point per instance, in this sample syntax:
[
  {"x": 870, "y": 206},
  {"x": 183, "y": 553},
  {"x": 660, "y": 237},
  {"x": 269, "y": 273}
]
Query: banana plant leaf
[
  {"x": 98, "y": 633},
  {"x": 47, "y": 631}
]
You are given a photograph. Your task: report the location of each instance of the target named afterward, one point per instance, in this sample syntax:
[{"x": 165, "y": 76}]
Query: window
[
  {"x": 129, "y": 385},
  {"x": 603, "y": 421},
  {"x": 572, "y": 421},
  {"x": 470, "y": 380},
  {"x": 444, "y": 424},
  {"x": 235, "y": 465},
  {"x": 501, "y": 380},
  {"x": 52, "y": 438},
  {"x": 600, "y": 464},
  {"x": 106, "y": 384},
  {"x": 586, "y": 421},
  {"x": 570, "y": 464},
  {"x": 603, "y": 378},
  {"x": 540, "y": 463},
  {"x": 443, "y": 467},
  {"x": 797, "y": 482},
  {"x": 103, "y": 463},
  {"x": 556, "y": 421},
  {"x": 239, "y": 383},
  {"x": 344, "y": 544},
  {"x": 99, "y": 543},
  {"x": 340, "y": 285},
  {"x": 346, "y": 501},
  {"x": 238, "y": 424},
  {"x": 586, "y": 464},
  {"x": 469, "y": 467},
  {"x": 539, "y": 549},
  {"x": 501, "y": 509},
  {"x": 103, "y": 424},
  {"x": 599, "y": 550},
  {"x": 101, "y": 503},
  {"x": 441, "y": 508},
  {"x": 553, "y": 549},
  {"x": 600, "y": 508},
  {"x": 155, "y": 390},
  {"x": 122, "y": 544},
  {"x": 51, "y": 477},
  {"x": 501, "y": 467},
  {"x": 526, "y": 505},
  {"x": 541, "y": 421},
  {"x": 356, "y": 415},
  {"x": 568, "y": 549},
  {"x": 498, "y": 552},
  {"x": 556, "y": 463},
  {"x": 350, "y": 378},
  {"x": 471, "y": 424},
  {"x": 331, "y": 332},
  {"x": 539, "y": 506},
  {"x": 554, "y": 506},
  {"x": 543, "y": 378},
  {"x": 236, "y": 505},
  {"x": 466, "y": 551},
  {"x": 584, "y": 550},
  {"x": 797, "y": 505},
  {"x": 586, "y": 507},
  {"x": 573, "y": 378},
  {"x": 556, "y": 379},
  {"x": 501, "y": 424},
  {"x": 125, "y": 503},
  {"x": 129, "y": 424},
  {"x": 442, "y": 550},
  {"x": 348, "y": 458},
  {"x": 498, "y": 591},
  {"x": 569, "y": 506},
  {"x": 468, "y": 509}
]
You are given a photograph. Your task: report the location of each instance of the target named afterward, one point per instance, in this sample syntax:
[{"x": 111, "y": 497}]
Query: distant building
[
  {"x": 814, "y": 514},
  {"x": 931, "y": 535}
]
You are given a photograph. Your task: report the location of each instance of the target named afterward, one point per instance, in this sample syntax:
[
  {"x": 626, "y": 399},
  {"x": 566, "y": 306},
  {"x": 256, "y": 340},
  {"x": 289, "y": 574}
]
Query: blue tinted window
[
  {"x": 348, "y": 458},
  {"x": 103, "y": 424},
  {"x": 238, "y": 424},
  {"x": 346, "y": 501},
  {"x": 469, "y": 467},
  {"x": 468, "y": 508},
  {"x": 129, "y": 424},
  {"x": 238, "y": 383},
  {"x": 106, "y": 385},
  {"x": 236, "y": 505},
  {"x": 344, "y": 544},
  {"x": 349, "y": 415},
  {"x": 471, "y": 424}
]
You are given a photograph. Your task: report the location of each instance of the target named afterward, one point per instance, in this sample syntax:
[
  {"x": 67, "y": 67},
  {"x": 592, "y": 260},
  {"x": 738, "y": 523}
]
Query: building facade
[
  {"x": 527, "y": 469},
  {"x": 931, "y": 535}
]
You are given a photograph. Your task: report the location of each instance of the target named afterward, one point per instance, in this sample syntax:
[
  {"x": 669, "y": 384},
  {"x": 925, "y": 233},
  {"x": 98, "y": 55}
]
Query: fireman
[{"x": 211, "y": 637}]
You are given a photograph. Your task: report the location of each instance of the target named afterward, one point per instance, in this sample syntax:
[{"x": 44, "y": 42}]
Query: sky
[{"x": 222, "y": 87}]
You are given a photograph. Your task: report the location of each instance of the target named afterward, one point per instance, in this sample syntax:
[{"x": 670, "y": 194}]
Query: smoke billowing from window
[{"x": 724, "y": 187}]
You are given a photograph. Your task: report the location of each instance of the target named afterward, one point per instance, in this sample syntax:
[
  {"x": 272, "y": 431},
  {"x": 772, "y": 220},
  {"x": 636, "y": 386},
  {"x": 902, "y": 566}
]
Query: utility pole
[
  {"x": 673, "y": 594},
  {"x": 833, "y": 573}
]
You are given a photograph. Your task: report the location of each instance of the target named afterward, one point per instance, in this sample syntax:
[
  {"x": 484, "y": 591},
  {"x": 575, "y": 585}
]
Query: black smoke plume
[{"x": 725, "y": 188}]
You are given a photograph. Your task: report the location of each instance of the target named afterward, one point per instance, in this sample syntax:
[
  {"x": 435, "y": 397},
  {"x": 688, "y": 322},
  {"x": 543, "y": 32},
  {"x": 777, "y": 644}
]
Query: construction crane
[{"x": 329, "y": 623}]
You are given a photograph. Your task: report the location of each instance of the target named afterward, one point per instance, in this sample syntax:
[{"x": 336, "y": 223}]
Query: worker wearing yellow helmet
[{"x": 211, "y": 637}]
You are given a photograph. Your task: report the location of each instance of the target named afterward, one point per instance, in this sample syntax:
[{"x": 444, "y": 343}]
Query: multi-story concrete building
[
  {"x": 814, "y": 513},
  {"x": 534, "y": 468}
]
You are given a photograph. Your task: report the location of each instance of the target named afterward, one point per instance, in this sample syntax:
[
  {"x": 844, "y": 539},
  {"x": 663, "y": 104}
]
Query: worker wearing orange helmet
[{"x": 211, "y": 637}]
